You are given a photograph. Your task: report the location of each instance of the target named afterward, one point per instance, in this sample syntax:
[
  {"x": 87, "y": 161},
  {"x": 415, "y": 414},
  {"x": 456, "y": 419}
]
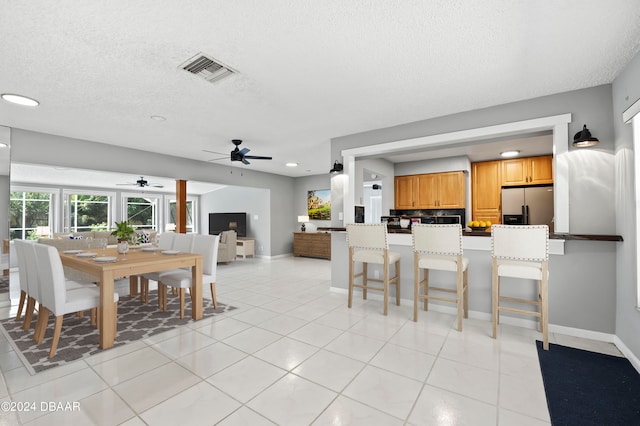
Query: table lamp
[{"x": 303, "y": 220}]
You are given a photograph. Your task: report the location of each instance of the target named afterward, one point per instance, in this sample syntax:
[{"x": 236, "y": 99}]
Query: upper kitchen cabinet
[
  {"x": 430, "y": 191},
  {"x": 527, "y": 171},
  {"x": 486, "y": 182},
  {"x": 406, "y": 189}
]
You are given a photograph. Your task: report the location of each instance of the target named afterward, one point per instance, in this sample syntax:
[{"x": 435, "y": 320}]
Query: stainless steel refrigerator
[{"x": 528, "y": 206}]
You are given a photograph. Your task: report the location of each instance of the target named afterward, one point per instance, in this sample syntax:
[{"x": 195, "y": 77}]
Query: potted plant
[{"x": 123, "y": 231}]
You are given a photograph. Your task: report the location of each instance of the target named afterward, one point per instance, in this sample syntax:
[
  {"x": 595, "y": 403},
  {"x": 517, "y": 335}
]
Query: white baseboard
[
  {"x": 504, "y": 319},
  {"x": 627, "y": 353}
]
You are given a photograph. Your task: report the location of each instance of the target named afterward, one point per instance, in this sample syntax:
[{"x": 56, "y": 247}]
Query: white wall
[{"x": 626, "y": 90}]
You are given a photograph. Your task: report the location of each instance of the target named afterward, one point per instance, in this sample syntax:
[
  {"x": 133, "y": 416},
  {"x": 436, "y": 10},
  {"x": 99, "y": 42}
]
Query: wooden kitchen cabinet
[
  {"x": 486, "y": 191},
  {"x": 405, "y": 188},
  {"x": 527, "y": 171},
  {"x": 430, "y": 191}
]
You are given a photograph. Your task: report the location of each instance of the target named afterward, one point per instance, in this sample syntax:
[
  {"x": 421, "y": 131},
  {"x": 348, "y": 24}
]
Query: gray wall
[
  {"x": 41, "y": 148},
  {"x": 301, "y": 186},
  {"x": 254, "y": 201},
  {"x": 591, "y": 186},
  {"x": 626, "y": 90}
]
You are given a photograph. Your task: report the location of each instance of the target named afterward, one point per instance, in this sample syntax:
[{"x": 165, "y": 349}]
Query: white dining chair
[
  {"x": 368, "y": 244},
  {"x": 521, "y": 251},
  {"x": 165, "y": 242},
  {"x": 22, "y": 276},
  {"x": 33, "y": 285},
  {"x": 56, "y": 298},
  {"x": 439, "y": 247},
  {"x": 207, "y": 246}
]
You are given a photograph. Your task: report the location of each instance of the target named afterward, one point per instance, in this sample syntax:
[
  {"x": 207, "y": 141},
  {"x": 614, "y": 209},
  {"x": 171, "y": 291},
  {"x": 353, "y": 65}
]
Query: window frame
[{"x": 66, "y": 206}]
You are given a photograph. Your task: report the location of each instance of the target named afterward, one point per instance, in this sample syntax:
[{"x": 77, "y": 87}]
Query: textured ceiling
[{"x": 308, "y": 70}]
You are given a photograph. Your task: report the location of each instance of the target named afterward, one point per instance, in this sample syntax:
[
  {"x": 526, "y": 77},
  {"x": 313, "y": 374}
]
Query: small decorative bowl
[{"x": 478, "y": 228}]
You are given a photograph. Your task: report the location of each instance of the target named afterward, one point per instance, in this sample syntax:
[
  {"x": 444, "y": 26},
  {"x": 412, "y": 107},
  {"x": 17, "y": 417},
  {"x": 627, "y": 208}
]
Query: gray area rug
[
  {"x": 4, "y": 284},
  {"x": 79, "y": 340}
]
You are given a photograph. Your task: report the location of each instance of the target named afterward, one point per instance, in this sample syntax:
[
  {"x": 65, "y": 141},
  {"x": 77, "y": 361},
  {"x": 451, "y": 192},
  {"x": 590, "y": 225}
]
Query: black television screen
[{"x": 219, "y": 222}]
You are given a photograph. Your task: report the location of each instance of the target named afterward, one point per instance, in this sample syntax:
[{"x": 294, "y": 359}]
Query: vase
[{"x": 123, "y": 247}]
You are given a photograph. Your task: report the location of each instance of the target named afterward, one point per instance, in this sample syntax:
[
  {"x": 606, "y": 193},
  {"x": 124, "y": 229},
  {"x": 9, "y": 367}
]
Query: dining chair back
[
  {"x": 33, "y": 283},
  {"x": 439, "y": 247},
  {"x": 183, "y": 243},
  {"x": 22, "y": 276},
  {"x": 165, "y": 240},
  {"x": 521, "y": 251},
  {"x": 368, "y": 244}
]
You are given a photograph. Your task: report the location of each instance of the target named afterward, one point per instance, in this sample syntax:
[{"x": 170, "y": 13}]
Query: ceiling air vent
[{"x": 207, "y": 68}]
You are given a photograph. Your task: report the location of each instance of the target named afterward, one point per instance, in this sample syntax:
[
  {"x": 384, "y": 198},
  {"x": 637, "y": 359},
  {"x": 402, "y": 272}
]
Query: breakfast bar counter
[{"x": 581, "y": 283}]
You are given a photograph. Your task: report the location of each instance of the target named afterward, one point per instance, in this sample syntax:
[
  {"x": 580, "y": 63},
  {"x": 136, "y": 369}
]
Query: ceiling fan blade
[
  {"x": 243, "y": 151},
  {"x": 215, "y": 152},
  {"x": 226, "y": 157},
  {"x": 258, "y": 157},
  {"x": 127, "y": 184},
  {"x": 244, "y": 160},
  {"x": 155, "y": 185}
]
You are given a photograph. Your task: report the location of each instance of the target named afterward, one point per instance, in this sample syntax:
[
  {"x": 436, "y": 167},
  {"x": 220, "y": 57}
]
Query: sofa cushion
[{"x": 142, "y": 237}]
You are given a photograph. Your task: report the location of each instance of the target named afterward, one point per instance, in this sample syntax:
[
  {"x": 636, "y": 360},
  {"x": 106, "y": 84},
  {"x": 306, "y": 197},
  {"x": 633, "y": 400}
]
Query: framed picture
[{"x": 319, "y": 204}]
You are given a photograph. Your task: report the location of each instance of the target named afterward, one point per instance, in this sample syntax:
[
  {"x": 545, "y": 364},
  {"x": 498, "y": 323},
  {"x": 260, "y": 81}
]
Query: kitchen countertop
[{"x": 553, "y": 236}]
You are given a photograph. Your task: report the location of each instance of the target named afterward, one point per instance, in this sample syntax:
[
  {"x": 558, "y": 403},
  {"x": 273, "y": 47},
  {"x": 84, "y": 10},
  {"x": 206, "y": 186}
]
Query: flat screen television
[{"x": 219, "y": 222}]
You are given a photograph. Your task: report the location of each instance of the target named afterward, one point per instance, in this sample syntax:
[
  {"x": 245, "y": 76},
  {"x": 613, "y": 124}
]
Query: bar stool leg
[
  {"x": 365, "y": 275},
  {"x": 351, "y": 272}
]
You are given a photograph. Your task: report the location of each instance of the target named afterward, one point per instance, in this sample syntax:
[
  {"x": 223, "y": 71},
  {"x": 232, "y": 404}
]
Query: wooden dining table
[{"x": 134, "y": 263}]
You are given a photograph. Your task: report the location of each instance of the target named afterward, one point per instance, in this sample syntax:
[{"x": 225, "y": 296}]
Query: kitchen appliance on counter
[
  {"x": 398, "y": 222},
  {"x": 531, "y": 205}
]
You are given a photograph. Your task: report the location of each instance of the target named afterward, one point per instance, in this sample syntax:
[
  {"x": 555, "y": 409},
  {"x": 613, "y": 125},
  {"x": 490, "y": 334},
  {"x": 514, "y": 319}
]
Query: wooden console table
[
  {"x": 245, "y": 247},
  {"x": 312, "y": 244}
]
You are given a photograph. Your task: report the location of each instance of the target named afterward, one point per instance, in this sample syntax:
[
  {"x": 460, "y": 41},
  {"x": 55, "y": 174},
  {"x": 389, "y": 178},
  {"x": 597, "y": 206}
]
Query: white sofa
[{"x": 111, "y": 239}]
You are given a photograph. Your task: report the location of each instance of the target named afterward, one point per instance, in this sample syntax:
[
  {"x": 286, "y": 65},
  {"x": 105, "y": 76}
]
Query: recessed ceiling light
[
  {"x": 509, "y": 154},
  {"x": 292, "y": 164},
  {"x": 158, "y": 118},
  {"x": 20, "y": 100}
]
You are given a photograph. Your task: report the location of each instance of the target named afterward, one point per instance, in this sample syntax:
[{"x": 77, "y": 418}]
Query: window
[
  {"x": 171, "y": 217},
  {"x": 87, "y": 212},
  {"x": 142, "y": 212},
  {"x": 28, "y": 211}
]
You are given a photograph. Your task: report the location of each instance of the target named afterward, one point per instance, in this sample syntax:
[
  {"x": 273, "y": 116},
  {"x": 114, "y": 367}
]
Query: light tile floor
[{"x": 294, "y": 354}]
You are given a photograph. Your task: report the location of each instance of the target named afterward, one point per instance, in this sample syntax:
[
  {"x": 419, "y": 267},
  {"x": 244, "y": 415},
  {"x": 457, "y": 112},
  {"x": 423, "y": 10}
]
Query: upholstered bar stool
[
  {"x": 521, "y": 252},
  {"x": 439, "y": 247},
  {"x": 368, "y": 244}
]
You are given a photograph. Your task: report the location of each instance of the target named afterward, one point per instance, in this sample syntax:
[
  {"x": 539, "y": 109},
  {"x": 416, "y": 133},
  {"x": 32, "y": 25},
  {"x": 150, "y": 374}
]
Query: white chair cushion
[
  {"x": 525, "y": 270},
  {"x": 81, "y": 299},
  {"x": 441, "y": 263},
  {"x": 182, "y": 279},
  {"x": 375, "y": 256}
]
